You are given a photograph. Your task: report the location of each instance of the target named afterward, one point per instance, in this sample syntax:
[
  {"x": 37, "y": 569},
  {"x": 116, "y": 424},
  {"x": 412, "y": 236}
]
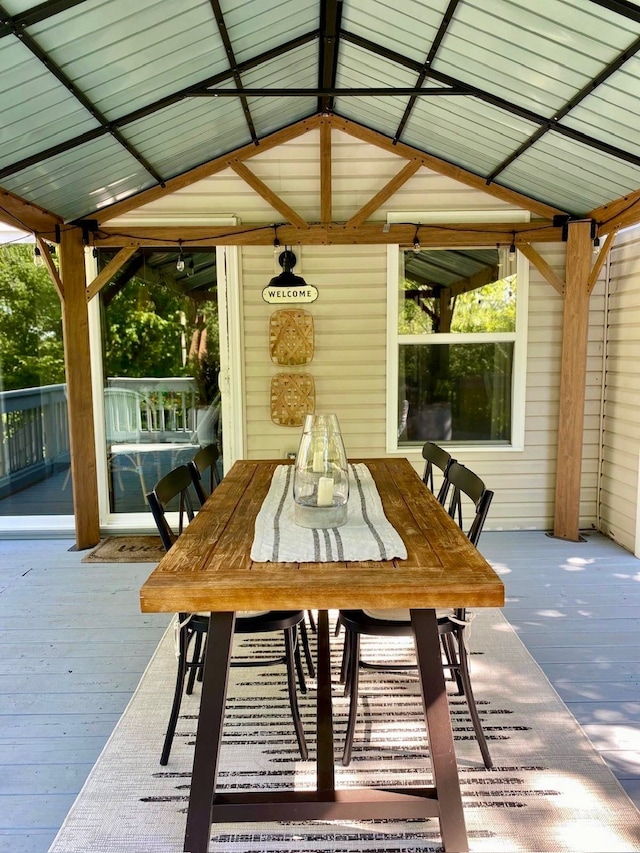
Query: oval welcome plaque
[{"x": 287, "y": 295}]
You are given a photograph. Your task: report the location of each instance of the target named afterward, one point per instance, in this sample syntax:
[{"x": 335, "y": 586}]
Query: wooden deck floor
[{"x": 73, "y": 646}]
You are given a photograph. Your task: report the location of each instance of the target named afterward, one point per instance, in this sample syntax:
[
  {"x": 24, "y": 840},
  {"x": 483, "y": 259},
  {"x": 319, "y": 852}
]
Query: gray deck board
[{"x": 73, "y": 646}]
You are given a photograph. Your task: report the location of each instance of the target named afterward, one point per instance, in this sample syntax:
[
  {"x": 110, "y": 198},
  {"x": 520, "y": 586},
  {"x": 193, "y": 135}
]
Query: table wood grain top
[{"x": 210, "y": 569}]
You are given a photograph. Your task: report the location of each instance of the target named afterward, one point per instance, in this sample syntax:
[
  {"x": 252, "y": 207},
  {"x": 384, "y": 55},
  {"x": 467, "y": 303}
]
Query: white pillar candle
[
  {"x": 318, "y": 461},
  {"x": 325, "y": 491}
]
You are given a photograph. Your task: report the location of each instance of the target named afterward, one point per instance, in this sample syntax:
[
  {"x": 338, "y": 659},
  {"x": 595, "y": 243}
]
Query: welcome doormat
[
  {"x": 548, "y": 791},
  {"x": 127, "y": 549}
]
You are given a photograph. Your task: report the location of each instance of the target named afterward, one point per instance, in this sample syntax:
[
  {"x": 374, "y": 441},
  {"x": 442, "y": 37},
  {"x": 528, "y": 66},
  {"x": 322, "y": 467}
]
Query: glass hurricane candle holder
[{"x": 321, "y": 477}]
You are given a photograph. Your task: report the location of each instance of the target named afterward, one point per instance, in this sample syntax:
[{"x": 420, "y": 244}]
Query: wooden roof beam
[
  {"x": 443, "y": 168},
  {"x": 26, "y": 216},
  {"x": 326, "y": 190},
  {"x": 287, "y": 213},
  {"x": 205, "y": 170},
  {"x": 104, "y": 277},
  {"x": 543, "y": 267},
  {"x": 442, "y": 235},
  {"x": 621, "y": 213},
  {"x": 51, "y": 267},
  {"x": 384, "y": 194}
]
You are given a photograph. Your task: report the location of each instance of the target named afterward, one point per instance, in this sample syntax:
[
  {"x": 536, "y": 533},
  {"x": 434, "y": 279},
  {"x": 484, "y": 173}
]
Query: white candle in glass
[
  {"x": 325, "y": 491},
  {"x": 318, "y": 461}
]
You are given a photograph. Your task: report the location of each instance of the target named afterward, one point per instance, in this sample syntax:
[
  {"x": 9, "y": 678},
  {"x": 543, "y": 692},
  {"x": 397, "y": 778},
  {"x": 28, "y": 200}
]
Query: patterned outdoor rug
[
  {"x": 126, "y": 549},
  {"x": 549, "y": 790}
]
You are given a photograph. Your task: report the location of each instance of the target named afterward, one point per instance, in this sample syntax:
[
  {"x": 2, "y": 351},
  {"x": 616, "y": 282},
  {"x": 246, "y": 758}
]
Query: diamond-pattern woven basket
[
  {"x": 293, "y": 396},
  {"x": 291, "y": 336}
]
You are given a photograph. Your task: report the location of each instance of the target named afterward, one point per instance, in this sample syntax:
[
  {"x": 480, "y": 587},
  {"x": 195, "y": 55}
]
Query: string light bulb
[
  {"x": 512, "y": 253},
  {"x": 38, "y": 260},
  {"x": 191, "y": 268},
  {"x": 596, "y": 245},
  {"x": 180, "y": 262},
  {"x": 416, "y": 241}
]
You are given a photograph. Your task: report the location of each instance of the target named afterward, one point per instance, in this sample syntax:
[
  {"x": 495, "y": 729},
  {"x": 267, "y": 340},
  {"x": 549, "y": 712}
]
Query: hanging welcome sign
[
  {"x": 287, "y": 287},
  {"x": 278, "y": 295}
]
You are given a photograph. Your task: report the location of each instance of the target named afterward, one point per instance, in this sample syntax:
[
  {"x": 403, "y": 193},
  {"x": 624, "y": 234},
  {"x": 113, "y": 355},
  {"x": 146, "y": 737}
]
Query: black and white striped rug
[{"x": 549, "y": 789}]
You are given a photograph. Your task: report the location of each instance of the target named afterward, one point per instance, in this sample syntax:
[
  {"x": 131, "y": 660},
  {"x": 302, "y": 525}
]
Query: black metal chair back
[
  {"x": 465, "y": 482},
  {"x": 173, "y": 485},
  {"x": 436, "y": 457},
  {"x": 195, "y": 626},
  {"x": 206, "y": 459}
]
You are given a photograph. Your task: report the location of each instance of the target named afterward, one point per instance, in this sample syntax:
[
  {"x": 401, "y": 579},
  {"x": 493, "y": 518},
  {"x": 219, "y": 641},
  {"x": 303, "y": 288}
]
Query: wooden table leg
[
  {"x": 209, "y": 732},
  {"x": 325, "y": 761},
  {"x": 441, "y": 749}
]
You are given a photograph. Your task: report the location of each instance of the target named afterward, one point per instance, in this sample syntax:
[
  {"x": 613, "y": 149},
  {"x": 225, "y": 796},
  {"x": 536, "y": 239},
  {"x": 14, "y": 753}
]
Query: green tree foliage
[
  {"x": 491, "y": 308},
  {"x": 143, "y": 333},
  {"x": 149, "y": 331},
  {"x": 31, "y": 348},
  {"x": 472, "y": 379}
]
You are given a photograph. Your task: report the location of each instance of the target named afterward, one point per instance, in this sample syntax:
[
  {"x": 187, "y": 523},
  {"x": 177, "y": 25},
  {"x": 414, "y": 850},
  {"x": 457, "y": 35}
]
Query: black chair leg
[
  {"x": 290, "y": 644},
  {"x": 183, "y": 644},
  {"x": 344, "y": 666},
  {"x": 307, "y": 650},
  {"x": 195, "y": 663},
  {"x": 471, "y": 702},
  {"x": 312, "y": 621},
  {"x": 353, "y": 667},
  {"x": 297, "y": 657},
  {"x": 452, "y": 661}
]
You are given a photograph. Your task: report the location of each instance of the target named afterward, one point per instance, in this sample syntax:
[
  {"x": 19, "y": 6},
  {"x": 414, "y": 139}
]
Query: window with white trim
[{"x": 456, "y": 347}]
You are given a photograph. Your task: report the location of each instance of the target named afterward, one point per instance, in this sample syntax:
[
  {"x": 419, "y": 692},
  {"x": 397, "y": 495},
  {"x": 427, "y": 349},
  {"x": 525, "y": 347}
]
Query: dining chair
[
  {"x": 397, "y": 623},
  {"x": 205, "y": 460},
  {"x": 436, "y": 457},
  {"x": 172, "y": 492}
]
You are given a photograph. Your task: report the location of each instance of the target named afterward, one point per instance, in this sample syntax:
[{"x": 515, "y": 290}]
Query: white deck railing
[{"x": 34, "y": 433}]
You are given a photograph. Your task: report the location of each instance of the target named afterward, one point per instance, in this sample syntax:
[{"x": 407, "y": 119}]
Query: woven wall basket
[
  {"x": 293, "y": 396},
  {"x": 291, "y": 336}
]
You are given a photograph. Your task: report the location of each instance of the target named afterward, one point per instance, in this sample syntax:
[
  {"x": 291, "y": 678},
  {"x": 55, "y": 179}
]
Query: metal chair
[
  {"x": 436, "y": 457},
  {"x": 193, "y": 627},
  {"x": 132, "y": 442},
  {"x": 206, "y": 459},
  {"x": 397, "y": 623}
]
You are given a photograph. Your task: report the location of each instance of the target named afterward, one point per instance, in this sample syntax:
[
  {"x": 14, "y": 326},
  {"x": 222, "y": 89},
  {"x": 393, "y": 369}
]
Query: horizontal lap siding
[
  {"x": 349, "y": 366},
  {"x": 621, "y": 433},
  {"x": 349, "y": 363}
]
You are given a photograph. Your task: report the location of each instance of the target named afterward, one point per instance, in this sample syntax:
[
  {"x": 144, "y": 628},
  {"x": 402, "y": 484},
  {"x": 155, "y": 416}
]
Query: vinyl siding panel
[
  {"x": 618, "y": 493},
  {"x": 349, "y": 364}
]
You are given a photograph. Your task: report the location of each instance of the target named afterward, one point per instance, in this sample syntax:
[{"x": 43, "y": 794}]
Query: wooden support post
[
  {"x": 75, "y": 327},
  {"x": 575, "y": 326}
]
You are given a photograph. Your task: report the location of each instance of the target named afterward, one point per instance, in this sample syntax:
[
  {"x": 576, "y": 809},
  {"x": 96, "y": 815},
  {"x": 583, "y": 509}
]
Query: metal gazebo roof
[{"x": 101, "y": 99}]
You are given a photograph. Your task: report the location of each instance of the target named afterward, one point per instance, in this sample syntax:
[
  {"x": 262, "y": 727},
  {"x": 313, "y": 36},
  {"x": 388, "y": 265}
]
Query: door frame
[{"x": 231, "y": 379}]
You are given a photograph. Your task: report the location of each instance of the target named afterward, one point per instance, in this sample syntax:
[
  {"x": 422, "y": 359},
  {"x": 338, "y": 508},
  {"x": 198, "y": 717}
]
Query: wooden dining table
[{"x": 209, "y": 568}]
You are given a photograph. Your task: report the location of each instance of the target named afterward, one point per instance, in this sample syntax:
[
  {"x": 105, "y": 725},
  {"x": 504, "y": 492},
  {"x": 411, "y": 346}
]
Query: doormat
[{"x": 127, "y": 549}]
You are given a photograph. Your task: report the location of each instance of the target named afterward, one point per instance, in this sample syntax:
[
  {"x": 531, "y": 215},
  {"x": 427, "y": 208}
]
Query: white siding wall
[
  {"x": 350, "y": 316},
  {"x": 621, "y": 434},
  {"x": 348, "y": 366}
]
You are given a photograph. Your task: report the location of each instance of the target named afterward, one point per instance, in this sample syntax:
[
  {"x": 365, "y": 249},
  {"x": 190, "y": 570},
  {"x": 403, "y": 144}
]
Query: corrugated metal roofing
[{"x": 102, "y": 98}]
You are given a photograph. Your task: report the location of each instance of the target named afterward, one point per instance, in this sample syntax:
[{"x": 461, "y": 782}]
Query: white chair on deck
[{"x": 128, "y": 442}]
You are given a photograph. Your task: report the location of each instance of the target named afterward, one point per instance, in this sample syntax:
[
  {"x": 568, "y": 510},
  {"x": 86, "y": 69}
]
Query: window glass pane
[
  {"x": 161, "y": 363},
  {"x": 34, "y": 436},
  {"x": 457, "y": 392},
  {"x": 457, "y": 291}
]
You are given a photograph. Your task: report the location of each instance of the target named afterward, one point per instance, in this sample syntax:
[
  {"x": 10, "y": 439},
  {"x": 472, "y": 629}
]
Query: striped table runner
[{"x": 367, "y": 534}]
